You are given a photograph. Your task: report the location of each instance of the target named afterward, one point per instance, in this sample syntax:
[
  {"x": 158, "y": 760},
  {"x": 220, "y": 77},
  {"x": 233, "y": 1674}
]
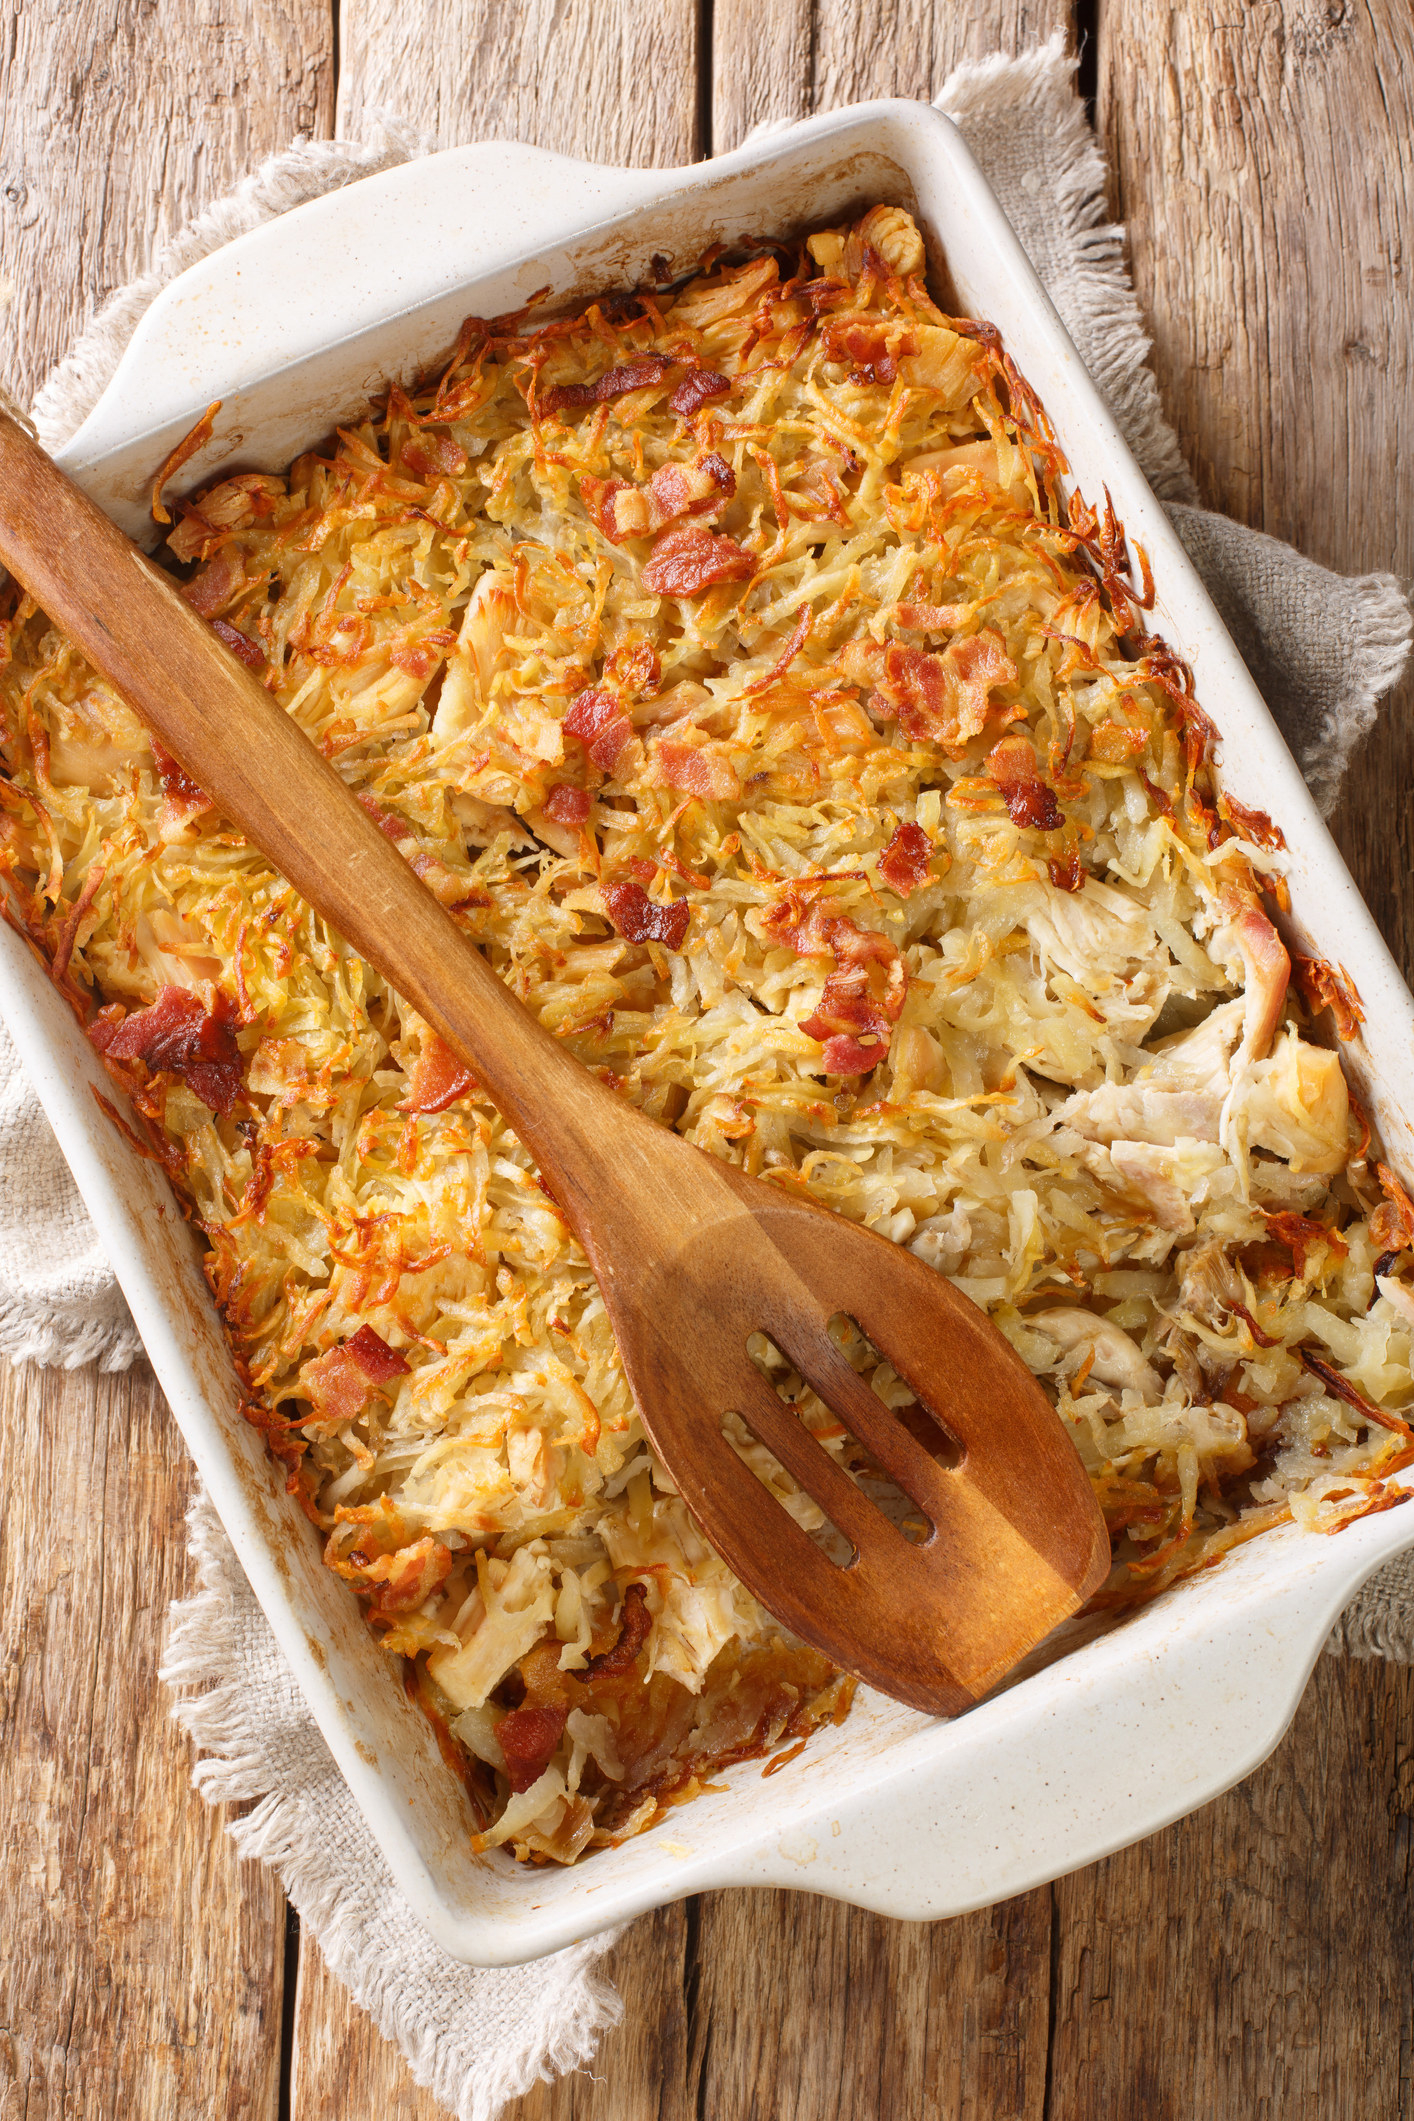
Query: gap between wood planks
[
  {"x": 1086, "y": 35},
  {"x": 289, "y": 1996}
]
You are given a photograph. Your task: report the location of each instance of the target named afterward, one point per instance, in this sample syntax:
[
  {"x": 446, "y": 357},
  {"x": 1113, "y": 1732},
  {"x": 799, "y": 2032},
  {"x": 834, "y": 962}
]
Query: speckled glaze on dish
[{"x": 293, "y": 327}]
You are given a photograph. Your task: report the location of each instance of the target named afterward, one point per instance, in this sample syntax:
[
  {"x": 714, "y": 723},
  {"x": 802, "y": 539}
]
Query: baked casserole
[{"x": 723, "y": 657}]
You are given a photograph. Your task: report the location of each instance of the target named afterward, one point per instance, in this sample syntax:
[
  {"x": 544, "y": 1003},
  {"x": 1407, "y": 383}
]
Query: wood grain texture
[
  {"x": 1253, "y": 1963},
  {"x": 119, "y": 121},
  {"x": 1263, "y": 165},
  {"x": 787, "y": 58},
  {"x": 141, "y": 1965},
  {"x": 603, "y": 80},
  {"x": 344, "y": 2071},
  {"x": 808, "y": 2011},
  {"x": 761, "y": 2006},
  {"x": 141, "y": 1972}
]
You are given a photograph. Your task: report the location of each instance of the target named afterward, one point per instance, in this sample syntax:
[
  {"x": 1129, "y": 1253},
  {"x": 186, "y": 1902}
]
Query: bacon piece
[
  {"x": 597, "y": 718},
  {"x": 624, "y": 511},
  {"x": 528, "y": 1738},
  {"x": 174, "y": 778},
  {"x": 242, "y": 647},
  {"x": 217, "y": 583},
  {"x": 1029, "y": 798},
  {"x": 568, "y": 805},
  {"x": 340, "y": 1382},
  {"x": 639, "y": 919},
  {"x": 852, "y": 339},
  {"x": 697, "y": 387},
  {"x": 797, "y": 918},
  {"x": 177, "y": 1036},
  {"x": 337, "y": 1385},
  {"x": 634, "y": 375},
  {"x": 851, "y": 1024},
  {"x": 409, "y": 1577},
  {"x": 428, "y": 454},
  {"x": 977, "y": 664},
  {"x": 617, "y": 507},
  {"x": 635, "y": 1626},
  {"x": 438, "y": 1077},
  {"x": 866, "y": 348},
  {"x": 854, "y": 1017},
  {"x": 689, "y": 489},
  {"x": 698, "y": 769},
  {"x": 374, "y": 1357},
  {"x": 904, "y": 862},
  {"x": 946, "y": 698},
  {"x": 849, "y": 1056},
  {"x": 691, "y": 559},
  {"x": 847, "y": 1005},
  {"x": 182, "y": 799}
]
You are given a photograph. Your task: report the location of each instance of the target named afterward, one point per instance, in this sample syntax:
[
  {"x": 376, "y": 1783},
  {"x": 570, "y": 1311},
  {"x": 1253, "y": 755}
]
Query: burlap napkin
[{"x": 1324, "y": 650}]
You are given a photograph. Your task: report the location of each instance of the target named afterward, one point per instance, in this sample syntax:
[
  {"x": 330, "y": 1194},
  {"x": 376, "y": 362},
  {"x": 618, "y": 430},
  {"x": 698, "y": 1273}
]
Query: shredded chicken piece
[{"x": 1114, "y": 1358}]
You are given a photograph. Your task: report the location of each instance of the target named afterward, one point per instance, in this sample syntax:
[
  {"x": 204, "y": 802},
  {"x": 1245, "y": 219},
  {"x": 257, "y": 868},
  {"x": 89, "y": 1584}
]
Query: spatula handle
[{"x": 236, "y": 742}]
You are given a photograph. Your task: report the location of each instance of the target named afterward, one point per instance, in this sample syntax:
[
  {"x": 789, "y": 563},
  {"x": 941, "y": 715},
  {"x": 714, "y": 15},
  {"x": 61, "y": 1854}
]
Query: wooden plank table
[{"x": 1253, "y": 1960}]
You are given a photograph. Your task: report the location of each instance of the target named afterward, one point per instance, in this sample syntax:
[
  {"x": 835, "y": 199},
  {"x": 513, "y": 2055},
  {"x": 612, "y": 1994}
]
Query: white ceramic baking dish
[{"x": 292, "y": 327}]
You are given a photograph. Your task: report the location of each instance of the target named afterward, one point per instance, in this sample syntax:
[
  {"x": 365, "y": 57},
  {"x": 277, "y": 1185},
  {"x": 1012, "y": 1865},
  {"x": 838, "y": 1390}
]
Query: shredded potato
[{"x": 725, "y": 662}]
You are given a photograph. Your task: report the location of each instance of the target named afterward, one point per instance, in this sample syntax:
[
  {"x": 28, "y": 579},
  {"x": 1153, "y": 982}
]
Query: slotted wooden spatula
[{"x": 692, "y": 1256}]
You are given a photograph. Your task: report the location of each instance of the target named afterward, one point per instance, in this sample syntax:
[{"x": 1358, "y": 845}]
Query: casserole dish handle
[{"x": 958, "y": 1835}]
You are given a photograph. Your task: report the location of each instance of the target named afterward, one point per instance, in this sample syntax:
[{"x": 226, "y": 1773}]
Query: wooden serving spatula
[{"x": 692, "y": 1256}]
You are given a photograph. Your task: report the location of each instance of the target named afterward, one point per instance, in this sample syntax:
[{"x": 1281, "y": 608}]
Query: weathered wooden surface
[
  {"x": 1263, "y": 163},
  {"x": 1253, "y": 1961},
  {"x": 140, "y": 1968},
  {"x": 120, "y": 120},
  {"x": 604, "y": 80},
  {"x": 141, "y": 1971},
  {"x": 787, "y": 59}
]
